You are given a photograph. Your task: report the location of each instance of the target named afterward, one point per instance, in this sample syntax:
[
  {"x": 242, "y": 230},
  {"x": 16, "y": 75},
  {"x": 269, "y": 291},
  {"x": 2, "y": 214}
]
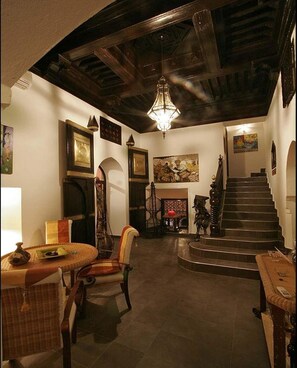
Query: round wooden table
[{"x": 79, "y": 255}]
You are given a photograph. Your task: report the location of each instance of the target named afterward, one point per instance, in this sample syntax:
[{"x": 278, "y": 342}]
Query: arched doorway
[
  {"x": 291, "y": 197},
  {"x": 116, "y": 195}
]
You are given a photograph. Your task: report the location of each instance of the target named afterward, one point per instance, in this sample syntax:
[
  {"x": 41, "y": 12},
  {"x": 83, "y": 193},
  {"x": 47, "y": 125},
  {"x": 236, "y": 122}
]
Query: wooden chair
[
  {"x": 59, "y": 231},
  {"x": 37, "y": 316},
  {"x": 116, "y": 269}
]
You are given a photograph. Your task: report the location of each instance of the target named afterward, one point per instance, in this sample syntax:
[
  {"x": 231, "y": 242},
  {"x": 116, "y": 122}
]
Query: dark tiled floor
[{"x": 179, "y": 319}]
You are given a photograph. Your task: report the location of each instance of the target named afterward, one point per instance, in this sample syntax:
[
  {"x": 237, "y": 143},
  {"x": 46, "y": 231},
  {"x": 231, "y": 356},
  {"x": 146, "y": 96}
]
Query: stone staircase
[{"x": 249, "y": 226}]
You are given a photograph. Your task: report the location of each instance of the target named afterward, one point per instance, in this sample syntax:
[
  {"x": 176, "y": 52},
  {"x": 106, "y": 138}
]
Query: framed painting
[
  {"x": 176, "y": 169},
  {"x": 6, "y": 149},
  {"x": 245, "y": 143},
  {"x": 79, "y": 150},
  {"x": 138, "y": 164}
]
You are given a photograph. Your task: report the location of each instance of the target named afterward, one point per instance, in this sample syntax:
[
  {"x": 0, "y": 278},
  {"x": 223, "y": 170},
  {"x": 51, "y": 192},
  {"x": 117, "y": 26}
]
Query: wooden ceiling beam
[
  {"x": 149, "y": 85},
  {"x": 118, "y": 63},
  {"x": 151, "y": 25},
  {"x": 207, "y": 41}
]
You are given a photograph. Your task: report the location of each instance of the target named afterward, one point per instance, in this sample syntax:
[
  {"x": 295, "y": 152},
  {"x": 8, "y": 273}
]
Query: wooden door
[
  {"x": 79, "y": 206},
  {"x": 138, "y": 180},
  {"x": 137, "y": 206}
]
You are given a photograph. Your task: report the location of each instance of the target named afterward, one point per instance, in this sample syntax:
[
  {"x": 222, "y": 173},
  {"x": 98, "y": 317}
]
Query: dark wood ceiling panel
[{"x": 221, "y": 58}]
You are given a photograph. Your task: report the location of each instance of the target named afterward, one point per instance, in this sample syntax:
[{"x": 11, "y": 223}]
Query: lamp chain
[{"x": 162, "y": 55}]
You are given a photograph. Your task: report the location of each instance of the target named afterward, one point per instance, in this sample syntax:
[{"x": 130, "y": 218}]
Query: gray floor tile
[{"x": 179, "y": 318}]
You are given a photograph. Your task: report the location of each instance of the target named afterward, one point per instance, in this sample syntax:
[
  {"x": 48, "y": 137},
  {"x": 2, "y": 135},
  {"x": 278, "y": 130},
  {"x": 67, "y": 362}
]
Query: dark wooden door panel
[
  {"x": 137, "y": 205},
  {"x": 79, "y": 206}
]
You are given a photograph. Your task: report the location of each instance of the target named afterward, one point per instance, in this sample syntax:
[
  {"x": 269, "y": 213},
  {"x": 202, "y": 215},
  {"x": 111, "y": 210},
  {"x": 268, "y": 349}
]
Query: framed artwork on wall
[
  {"x": 138, "y": 164},
  {"x": 79, "y": 150},
  {"x": 110, "y": 131},
  {"x": 175, "y": 169},
  {"x": 6, "y": 149},
  {"x": 245, "y": 143}
]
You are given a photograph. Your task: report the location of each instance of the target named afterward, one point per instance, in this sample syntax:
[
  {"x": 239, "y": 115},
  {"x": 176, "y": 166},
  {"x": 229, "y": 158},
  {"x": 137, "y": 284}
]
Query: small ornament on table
[{"x": 20, "y": 256}]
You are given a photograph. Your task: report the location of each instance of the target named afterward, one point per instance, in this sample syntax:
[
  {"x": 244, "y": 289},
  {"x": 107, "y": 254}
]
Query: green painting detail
[
  {"x": 6, "y": 149},
  {"x": 245, "y": 143}
]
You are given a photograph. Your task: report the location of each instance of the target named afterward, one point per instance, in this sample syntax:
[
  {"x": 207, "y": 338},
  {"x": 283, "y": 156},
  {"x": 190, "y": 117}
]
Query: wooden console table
[{"x": 276, "y": 271}]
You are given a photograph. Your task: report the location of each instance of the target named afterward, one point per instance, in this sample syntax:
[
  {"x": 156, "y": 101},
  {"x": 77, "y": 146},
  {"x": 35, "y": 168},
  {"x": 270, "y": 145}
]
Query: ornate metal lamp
[
  {"x": 163, "y": 110},
  {"x": 92, "y": 124}
]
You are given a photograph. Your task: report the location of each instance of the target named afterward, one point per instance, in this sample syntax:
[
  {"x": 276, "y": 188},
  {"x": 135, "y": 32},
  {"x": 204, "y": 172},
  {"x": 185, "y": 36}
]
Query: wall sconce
[
  {"x": 130, "y": 142},
  {"x": 92, "y": 124},
  {"x": 11, "y": 219}
]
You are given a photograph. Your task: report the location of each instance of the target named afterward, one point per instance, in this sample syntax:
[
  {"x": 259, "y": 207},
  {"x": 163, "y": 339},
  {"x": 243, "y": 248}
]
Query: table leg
[
  {"x": 291, "y": 349},
  {"x": 257, "y": 312},
  {"x": 279, "y": 337}
]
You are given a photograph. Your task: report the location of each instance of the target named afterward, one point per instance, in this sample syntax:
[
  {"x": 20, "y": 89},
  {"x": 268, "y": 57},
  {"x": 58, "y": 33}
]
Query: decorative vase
[
  {"x": 171, "y": 213},
  {"x": 19, "y": 256}
]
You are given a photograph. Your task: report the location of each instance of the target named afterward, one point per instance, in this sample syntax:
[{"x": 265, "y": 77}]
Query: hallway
[{"x": 179, "y": 319}]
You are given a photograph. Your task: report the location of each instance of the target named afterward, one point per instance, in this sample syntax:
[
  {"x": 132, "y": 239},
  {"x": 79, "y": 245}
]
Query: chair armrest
[{"x": 75, "y": 296}]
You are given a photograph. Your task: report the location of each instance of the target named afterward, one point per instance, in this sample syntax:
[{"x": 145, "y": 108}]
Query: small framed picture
[
  {"x": 6, "y": 149},
  {"x": 138, "y": 163},
  {"x": 80, "y": 151}
]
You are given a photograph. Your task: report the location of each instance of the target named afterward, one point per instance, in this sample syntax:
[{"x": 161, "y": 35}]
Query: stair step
[
  {"x": 236, "y": 184},
  {"x": 217, "y": 266},
  {"x": 245, "y": 215},
  {"x": 239, "y": 254},
  {"x": 257, "y": 201},
  {"x": 253, "y": 195},
  {"x": 251, "y": 233},
  {"x": 249, "y": 189},
  {"x": 254, "y": 175},
  {"x": 250, "y": 224},
  {"x": 245, "y": 242},
  {"x": 250, "y": 207},
  {"x": 247, "y": 178}
]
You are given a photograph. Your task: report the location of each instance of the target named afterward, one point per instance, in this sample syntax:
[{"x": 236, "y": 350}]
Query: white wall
[
  {"x": 36, "y": 115},
  {"x": 242, "y": 164},
  {"x": 206, "y": 140},
  {"x": 280, "y": 127}
]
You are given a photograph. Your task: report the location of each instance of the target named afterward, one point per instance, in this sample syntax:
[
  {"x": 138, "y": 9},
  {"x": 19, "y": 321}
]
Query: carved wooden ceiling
[{"x": 221, "y": 58}]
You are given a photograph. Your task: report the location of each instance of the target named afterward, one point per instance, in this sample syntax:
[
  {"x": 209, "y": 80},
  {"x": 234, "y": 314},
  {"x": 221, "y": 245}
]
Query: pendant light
[{"x": 163, "y": 110}]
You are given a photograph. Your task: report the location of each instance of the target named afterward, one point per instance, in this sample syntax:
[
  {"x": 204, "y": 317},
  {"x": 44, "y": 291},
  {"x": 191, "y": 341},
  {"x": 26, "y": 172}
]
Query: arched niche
[
  {"x": 290, "y": 238},
  {"x": 116, "y": 194}
]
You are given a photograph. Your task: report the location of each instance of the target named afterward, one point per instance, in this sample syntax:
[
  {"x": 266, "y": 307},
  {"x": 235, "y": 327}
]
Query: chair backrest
[
  {"x": 32, "y": 305},
  {"x": 125, "y": 244},
  {"x": 58, "y": 231}
]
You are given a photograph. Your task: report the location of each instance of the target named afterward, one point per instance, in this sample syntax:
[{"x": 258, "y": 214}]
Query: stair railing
[{"x": 216, "y": 195}]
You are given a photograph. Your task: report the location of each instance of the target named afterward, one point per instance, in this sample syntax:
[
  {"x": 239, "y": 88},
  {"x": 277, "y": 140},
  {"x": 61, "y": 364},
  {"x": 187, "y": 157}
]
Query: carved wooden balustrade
[{"x": 215, "y": 195}]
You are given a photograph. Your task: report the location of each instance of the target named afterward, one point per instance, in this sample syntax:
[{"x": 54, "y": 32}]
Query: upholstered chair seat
[{"x": 115, "y": 269}]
